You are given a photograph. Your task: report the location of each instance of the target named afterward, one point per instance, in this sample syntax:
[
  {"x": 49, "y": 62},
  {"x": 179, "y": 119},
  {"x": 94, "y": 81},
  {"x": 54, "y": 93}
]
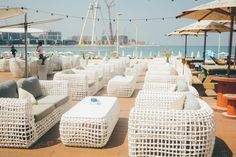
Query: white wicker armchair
[
  {"x": 93, "y": 77},
  {"x": 157, "y": 99},
  {"x": 163, "y": 132},
  {"x": 78, "y": 85},
  {"x": 99, "y": 68},
  {"x": 164, "y": 79},
  {"x": 161, "y": 87},
  {"x": 166, "y": 87},
  {"x": 4, "y": 64},
  {"x": 17, "y": 67},
  {"x": 18, "y": 128}
]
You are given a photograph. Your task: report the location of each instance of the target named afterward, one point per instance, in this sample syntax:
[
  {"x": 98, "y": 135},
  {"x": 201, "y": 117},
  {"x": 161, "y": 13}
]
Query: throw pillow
[
  {"x": 191, "y": 102},
  {"x": 32, "y": 86},
  {"x": 79, "y": 68},
  {"x": 193, "y": 91},
  {"x": 173, "y": 71},
  {"x": 20, "y": 82},
  {"x": 8, "y": 89},
  {"x": 23, "y": 94},
  {"x": 178, "y": 104},
  {"x": 68, "y": 72},
  {"x": 182, "y": 86}
]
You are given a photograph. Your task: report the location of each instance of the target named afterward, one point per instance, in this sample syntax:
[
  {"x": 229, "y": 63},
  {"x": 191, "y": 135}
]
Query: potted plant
[
  {"x": 167, "y": 54},
  {"x": 84, "y": 61}
]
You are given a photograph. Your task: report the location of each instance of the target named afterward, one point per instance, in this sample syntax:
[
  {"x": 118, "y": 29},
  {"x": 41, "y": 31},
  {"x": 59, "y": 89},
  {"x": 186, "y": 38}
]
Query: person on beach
[
  {"x": 13, "y": 51},
  {"x": 39, "y": 49}
]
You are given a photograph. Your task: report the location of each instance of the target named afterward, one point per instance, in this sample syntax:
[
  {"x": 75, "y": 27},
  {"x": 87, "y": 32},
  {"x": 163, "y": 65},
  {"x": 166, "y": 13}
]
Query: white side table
[{"x": 121, "y": 86}]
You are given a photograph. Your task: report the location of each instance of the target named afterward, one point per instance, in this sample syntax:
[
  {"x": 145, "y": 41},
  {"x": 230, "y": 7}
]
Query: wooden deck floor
[{"x": 50, "y": 145}]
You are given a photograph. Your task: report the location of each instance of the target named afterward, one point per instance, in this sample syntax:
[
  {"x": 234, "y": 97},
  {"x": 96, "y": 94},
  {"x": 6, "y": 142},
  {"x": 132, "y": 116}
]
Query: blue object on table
[{"x": 94, "y": 100}]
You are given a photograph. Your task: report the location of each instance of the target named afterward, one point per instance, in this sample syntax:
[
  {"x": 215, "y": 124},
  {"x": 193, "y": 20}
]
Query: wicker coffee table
[
  {"x": 121, "y": 86},
  {"x": 90, "y": 124}
]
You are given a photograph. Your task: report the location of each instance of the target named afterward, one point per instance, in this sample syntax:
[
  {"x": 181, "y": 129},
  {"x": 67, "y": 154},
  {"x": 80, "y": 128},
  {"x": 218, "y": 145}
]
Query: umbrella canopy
[
  {"x": 192, "y": 54},
  {"x": 205, "y": 26},
  {"x": 177, "y": 33},
  {"x": 11, "y": 12},
  {"x": 99, "y": 54},
  {"x": 133, "y": 53},
  {"x": 123, "y": 53},
  {"x": 198, "y": 54},
  {"x": 141, "y": 54},
  {"x": 186, "y": 34},
  {"x": 180, "y": 54},
  {"x": 150, "y": 54},
  {"x": 225, "y": 22},
  {"x": 216, "y": 10},
  {"x": 31, "y": 23},
  {"x": 21, "y": 30}
]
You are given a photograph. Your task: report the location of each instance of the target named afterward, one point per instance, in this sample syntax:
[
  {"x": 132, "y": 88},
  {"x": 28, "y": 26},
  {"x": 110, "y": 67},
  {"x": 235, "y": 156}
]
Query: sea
[{"x": 142, "y": 51}]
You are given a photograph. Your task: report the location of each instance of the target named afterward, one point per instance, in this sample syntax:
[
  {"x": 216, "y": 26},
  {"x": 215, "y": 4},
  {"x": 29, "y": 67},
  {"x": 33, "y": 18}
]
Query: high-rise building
[{"x": 51, "y": 37}]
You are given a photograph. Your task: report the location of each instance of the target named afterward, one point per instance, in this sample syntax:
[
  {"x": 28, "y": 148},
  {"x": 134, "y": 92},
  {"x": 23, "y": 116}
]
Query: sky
[{"x": 152, "y": 32}]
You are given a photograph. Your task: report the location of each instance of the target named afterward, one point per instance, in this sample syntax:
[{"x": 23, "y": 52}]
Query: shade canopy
[
  {"x": 177, "y": 33},
  {"x": 216, "y": 10},
  {"x": 31, "y": 23},
  {"x": 205, "y": 26},
  {"x": 225, "y": 22},
  {"x": 186, "y": 34},
  {"x": 21, "y": 30},
  {"x": 11, "y": 12}
]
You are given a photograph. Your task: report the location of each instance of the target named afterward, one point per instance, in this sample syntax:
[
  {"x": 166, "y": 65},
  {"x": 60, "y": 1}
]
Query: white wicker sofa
[
  {"x": 155, "y": 129},
  {"x": 78, "y": 84},
  {"x": 23, "y": 123}
]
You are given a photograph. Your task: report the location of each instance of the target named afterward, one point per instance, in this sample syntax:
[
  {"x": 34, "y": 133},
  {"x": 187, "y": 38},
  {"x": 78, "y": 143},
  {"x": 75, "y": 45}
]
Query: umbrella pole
[
  {"x": 186, "y": 42},
  {"x": 230, "y": 41},
  {"x": 26, "y": 57},
  {"x": 204, "y": 51},
  {"x": 219, "y": 43},
  {"x": 235, "y": 57}
]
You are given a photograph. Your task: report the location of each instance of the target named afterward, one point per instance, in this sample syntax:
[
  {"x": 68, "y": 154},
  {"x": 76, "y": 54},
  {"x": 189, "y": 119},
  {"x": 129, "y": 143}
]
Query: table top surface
[
  {"x": 230, "y": 96},
  {"x": 122, "y": 79},
  {"x": 223, "y": 79},
  {"x": 88, "y": 109}
]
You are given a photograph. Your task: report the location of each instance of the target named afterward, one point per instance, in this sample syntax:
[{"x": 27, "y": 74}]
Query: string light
[{"x": 98, "y": 19}]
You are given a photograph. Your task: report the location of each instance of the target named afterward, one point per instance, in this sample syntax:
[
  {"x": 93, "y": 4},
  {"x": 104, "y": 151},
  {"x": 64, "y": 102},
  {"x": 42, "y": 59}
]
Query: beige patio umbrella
[
  {"x": 215, "y": 10},
  {"x": 11, "y": 12},
  {"x": 205, "y": 26},
  {"x": 186, "y": 34}
]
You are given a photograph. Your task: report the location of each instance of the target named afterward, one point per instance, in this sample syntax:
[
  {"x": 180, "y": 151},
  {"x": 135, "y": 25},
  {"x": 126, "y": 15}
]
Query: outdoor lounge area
[{"x": 122, "y": 137}]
